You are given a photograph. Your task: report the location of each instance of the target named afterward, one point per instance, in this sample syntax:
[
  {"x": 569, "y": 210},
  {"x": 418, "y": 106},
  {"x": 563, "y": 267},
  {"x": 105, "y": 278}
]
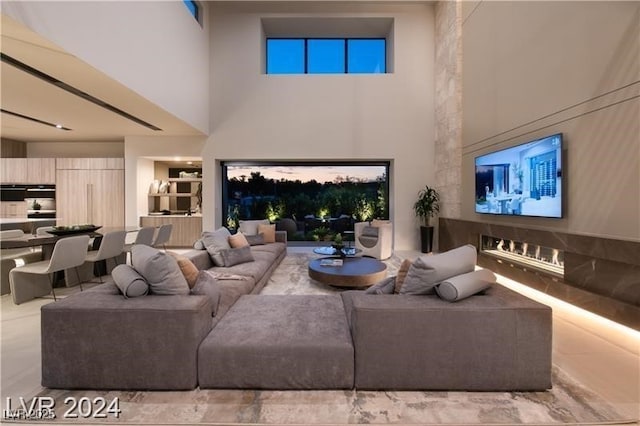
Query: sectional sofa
[{"x": 97, "y": 339}]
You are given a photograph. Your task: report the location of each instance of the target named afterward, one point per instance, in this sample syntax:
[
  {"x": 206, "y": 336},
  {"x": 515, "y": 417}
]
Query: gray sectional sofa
[{"x": 96, "y": 339}]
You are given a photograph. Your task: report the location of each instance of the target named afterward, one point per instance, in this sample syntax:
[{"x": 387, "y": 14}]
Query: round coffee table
[{"x": 354, "y": 272}]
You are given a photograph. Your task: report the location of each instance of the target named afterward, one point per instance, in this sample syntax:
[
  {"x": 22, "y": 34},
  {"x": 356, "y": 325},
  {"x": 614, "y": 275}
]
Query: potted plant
[
  {"x": 338, "y": 243},
  {"x": 426, "y": 206}
]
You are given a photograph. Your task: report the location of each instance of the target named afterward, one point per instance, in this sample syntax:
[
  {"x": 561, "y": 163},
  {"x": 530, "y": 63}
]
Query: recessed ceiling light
[
  {"x": 58, "y": 126},
  {"x": 190, "y": 162}
]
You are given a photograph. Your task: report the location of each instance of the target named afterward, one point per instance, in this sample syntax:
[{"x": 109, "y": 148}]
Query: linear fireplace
[{"x": 535, "y": 256}]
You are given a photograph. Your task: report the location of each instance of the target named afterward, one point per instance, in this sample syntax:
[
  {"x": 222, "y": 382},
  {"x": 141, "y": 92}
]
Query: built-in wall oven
[
  {"x": 41, "y": 201},
  {"x": 15, "y": 192}
]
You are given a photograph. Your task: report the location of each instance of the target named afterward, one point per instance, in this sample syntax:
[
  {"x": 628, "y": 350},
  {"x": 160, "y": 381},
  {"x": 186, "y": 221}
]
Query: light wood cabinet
[
  {"x": 90, "y": 196},
  {"x": 186, "y": 229},
  {"x": 13, "y": 209},
  {"x": 41, "y": 170},
  {"x": 14, "y": 170},
  {"x": 90, "y": 163}
]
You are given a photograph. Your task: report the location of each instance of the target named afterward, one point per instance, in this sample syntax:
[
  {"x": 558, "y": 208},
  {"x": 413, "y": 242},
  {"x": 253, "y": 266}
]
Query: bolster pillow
[
  {"x": 465, "y": 285},
  {"x": 130, "y": 282}
]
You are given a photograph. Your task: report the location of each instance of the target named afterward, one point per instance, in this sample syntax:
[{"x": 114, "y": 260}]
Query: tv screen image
[{"x": 523, "y": 180}]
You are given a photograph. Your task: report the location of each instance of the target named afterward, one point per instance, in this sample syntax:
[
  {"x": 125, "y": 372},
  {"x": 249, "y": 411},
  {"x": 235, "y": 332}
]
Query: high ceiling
[{"x": 25, "y": 94}]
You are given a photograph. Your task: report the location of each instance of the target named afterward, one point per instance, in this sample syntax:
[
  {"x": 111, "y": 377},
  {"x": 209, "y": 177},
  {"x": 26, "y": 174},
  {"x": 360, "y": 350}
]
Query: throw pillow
[
  {"x": 215, "y": 242},
  {"x": 159, "y": 269},
  {"x": 199, "y": 245},
  {"x": 427, "y": 271},
  {"x": 465, "y": 285},
  {"x": 235, "y": 256},
  {"x": 402, "y": 275},
  {"x": 250, "y": 227},
  {"x": 207, "y": 285},
  {"x": 385, "y": 286},
  {"x": 238, "y": 240},
  {"x": 130, "y": 283},
  {"x": 188, "y": 269},
  {"x": 255, "y": 240},
  {"x": 268, "y": 233}
]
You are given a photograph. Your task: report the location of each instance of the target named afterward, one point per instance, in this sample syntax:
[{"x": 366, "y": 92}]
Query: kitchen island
[{"x": 186, "y": 229}]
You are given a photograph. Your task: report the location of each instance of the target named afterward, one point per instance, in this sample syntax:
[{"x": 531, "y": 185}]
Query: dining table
[{"x": 47, "y": 244}]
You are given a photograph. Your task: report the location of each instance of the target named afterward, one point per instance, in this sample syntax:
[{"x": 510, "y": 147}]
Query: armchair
[{"x": 375, "y": 239}]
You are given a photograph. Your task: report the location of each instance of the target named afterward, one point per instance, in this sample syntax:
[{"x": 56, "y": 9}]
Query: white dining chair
[
  {"x": 163, "y": 236},
  {"x": 10, "y": 258},
  {"x": 111, "y": 246},
  {"x": 68, "y": 253},
  {"x": 144, "y": 236}
]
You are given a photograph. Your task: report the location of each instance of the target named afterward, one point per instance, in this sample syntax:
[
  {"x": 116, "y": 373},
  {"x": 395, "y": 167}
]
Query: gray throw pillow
[
  {"x": 427, "y": 271},
  {"x": 130, "y": 283},
  {"x": 385, "y": 286},
  {"x": 250, "y": 227},
  {"x": 255, "y": 240},
  {"x": 199, "y": 245},
  {"x": 215, "y": 242},
  {"x": 465, "y": 285},
  {"x": 159, "y": 269},
  {"x": 236, "y": 256},
  {"x": 207, "y": 285}
]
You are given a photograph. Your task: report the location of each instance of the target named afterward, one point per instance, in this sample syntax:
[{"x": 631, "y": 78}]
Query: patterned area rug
[{"x": 567, "y": 403}]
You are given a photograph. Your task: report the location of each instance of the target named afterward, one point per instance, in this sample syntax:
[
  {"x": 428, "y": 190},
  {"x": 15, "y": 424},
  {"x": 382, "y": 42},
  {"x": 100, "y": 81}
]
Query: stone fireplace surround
[{"x": 600, "y": 275}]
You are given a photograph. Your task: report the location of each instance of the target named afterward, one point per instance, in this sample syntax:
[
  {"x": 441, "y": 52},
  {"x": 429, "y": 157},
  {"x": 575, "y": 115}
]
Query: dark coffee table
[{"x": 354, "y": 272}]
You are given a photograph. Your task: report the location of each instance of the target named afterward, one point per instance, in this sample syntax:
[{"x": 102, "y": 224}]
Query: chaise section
[
  {"x": 97, "y": 339},
  {"x": 279, "y": 342},
  {"x": 500, "y": 341}
]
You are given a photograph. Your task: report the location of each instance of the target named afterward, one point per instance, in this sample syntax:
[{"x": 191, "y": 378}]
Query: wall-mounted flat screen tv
[{"x": 524, "y": 180}]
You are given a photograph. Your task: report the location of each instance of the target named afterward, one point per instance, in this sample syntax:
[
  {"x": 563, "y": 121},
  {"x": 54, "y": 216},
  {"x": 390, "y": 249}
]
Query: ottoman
[{"x": 279, "y": 342}]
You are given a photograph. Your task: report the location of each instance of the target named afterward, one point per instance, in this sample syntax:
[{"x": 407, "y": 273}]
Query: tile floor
[{"x": 603, "y": 356}]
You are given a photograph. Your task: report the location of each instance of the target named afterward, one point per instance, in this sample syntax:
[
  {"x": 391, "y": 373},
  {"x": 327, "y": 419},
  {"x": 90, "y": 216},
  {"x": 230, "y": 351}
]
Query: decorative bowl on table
[{"x": 73, "y": 229}]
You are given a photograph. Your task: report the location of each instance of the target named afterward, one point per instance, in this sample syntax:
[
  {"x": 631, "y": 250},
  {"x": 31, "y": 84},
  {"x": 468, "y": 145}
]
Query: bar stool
[
  {"x": 111, "y": 245},
  {"x": 145, "y": 237},
  {"x": 67, "y": 253},
  {"x": 163, "y": 235}
]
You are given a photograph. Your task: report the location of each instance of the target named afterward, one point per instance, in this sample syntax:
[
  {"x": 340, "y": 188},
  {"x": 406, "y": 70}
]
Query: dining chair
[
  {"x": 163, "y": 235},
  {"x": 111, "y": 246},
  {"x": 144, "y": 236},
  {"x": 67, "y": 253}
]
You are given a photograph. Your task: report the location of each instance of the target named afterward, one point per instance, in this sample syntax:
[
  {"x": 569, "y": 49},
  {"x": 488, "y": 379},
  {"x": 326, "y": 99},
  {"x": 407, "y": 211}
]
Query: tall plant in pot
[{"x": 426, "y": 206}]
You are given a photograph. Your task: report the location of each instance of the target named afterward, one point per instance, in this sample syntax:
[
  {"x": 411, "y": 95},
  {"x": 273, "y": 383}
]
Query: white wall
[
  {"x": 308, "y": 117},
  {"x": 155, "y": 48},
  {"x": 75, "y": 149},
  {"x": 531, "y": 69},
  {"x": 139, "y": 152}
]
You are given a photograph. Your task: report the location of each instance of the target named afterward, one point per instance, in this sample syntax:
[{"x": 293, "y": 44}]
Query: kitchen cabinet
[
  {"x": 90, "y": 163},
  {"x": 86, "y": 195},
  {"x": 41, "y": 170},
  {"x": 14, "y": 170},
  {"x": 13, "y": 209},
  {"x": 29, "y": 170}
]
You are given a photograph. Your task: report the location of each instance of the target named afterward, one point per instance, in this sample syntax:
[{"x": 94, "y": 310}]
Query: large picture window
[
  {"x": 326, "y": 56},
  {"x": 316, "y": 200}
]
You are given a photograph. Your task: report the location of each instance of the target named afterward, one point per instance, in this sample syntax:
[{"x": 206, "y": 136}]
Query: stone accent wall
[{"x": 448, "y": 107}]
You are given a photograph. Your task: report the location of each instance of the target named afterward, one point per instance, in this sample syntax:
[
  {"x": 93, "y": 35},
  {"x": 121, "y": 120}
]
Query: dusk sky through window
[
  {"x": 306, "y": 173},
  {"x": 324, "y": 56}
]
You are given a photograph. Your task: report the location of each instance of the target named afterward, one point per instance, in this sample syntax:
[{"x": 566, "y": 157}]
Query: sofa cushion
[
  {"x": 187, "y": 267},
  {"x": 427, "y": 271},
  {"x": 207, "y": 285},
  {"x": 238, "y": 240},
  {"x": 267, "y": 256},
  {"x": 385, "y": 286},
  {"x": 215, "y": 242},
  {"x": 402, "y": 275},
  {"x": 275, "y": 248},
  {"x": 230, "y": 292},
  {"x": 255, "y": 269},
  {"x": 268, "y": 232},
  {"x": 236, "y": 256},
  {"x": 465, "y": 285},
  {"x": 255, "y": 240},
  {"x": 129, "y": 282},
  {"x": 159, "y": 269},
  {"x": 250, "y": 227}
]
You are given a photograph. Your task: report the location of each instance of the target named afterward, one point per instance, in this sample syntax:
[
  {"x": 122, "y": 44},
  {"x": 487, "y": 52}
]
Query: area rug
[{"x": 567, "y": 403}]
